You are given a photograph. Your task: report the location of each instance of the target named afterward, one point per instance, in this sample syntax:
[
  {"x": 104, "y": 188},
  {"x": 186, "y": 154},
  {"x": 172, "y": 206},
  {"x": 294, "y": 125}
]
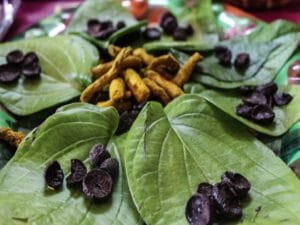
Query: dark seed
[
  {"x": 180, "y": 34},
  {"x": 205, "y": 189},
  {"x": 9, "y": 73},
  {"x": 168, "y": 23},
  {"x": 78, "y": 171},
  {"x": 30, "y": 58},
  {"x": 228, "y": 205},
  {"x": 97, "y": 185},
  {"x": 32, "y": 71},
  {"x": 246, "y": 90},
  {"x": 268, "y": 88},
  {"x": 121, "y": 24},
  {"x": 54, "y": 175},
  {"x": 111, "y": 166},
  {"x": 152, "y": 33},
  {"x": 238, "y": 182},
  {"x": 198, "y": 210},
  {"x": 15, "y": 57},
  {"x": 256, "y": 98},
  {"x": 244, "y": 110},
  {"x": 281, "y": 98},
  {"x": 263, "y": 114},
  {"x": 242, "y": 61},
  {"x": 98, "y": 154}
]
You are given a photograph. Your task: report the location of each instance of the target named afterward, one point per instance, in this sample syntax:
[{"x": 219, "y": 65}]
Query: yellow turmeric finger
[
  {"x": 113, "y": 72},
  {"x": 117, "y": 89},
  {"x": 13, "y": 138},
  {"x": 172, "y": 89},
  {"x": 106, "y": 103},
  {"x": 185, "y": 72},
  {"x": 141, "y": 53},
  {"x": 157, "y": 91},
  {"x": 168, "y": 62},
  {"x": 101, "y": 69},
  {"x": 114, "y": 50},
  {"x": 137, "y": 86}
]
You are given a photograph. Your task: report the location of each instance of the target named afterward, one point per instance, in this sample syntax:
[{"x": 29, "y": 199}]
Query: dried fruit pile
[
  {"x": 18, "y": 64},
  {"x": 96, "y": 184},
  {"x": 219, "y": 202},
  {"x": 258, "y": 102},
  {"x": 103, "y": 29}
]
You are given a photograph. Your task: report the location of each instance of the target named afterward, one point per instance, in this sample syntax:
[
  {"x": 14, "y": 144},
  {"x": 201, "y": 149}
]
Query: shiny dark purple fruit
[
  {"x": 98, "y": 154},
  {"x": 15, "y": 57},
  {"x": 180, "y": 34},
  {"x": 268, "y": 88},
  {"x": 32, "y": 71},
  {"x": 281, "y": 98},
  {"x": 97, "y": 185},
  {"x": 237, "y": 182},
  {"x": 255, "y": 98},
  {"x": 263, "y": 114},
  {"x": 152, "y": 33},
  {"x": 205, "y": 189},
  {"x": 246, "y": 90},
  {"x": 242, "y": 61},
  {"x": 244, "y": 110},
  {"x": 9, "y": 73},
  {"x": 227, "y": 203},
  {"x": 198, "y": 210},
  {"x": 30, "y": 58},
  {"x": 54, "y": 175},
  {"x": 78, "y": 171},
  {"x": 111, "y": 166},
  {"x": 168, "y": 23}
]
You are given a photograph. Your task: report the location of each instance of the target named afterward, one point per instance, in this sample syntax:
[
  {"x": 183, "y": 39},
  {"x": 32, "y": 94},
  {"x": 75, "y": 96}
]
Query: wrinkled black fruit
[
  {"x": 223, "y": 54},
  {"x": 97, "y": 185},
  {"x": 180, "y": 34},
  {"x": 98, "y": 154},
  {"x": 121, "y": 24},
  {"x": 126, "y": 120},
  {"x": 32, "y": 71},
  {"x": 263, "y": 114},
  {"x": 255, "y": 98},
  {"x": 247, "y": 90},
  {"x": 111, "y": 166},
  {"x": 106, "y": 24},
  {"x": 244, "y": 110},
  {"x": 237, "y": 182},
  {"x": 168, "y": 23},
  {"x": 9, "y": 73},
  {"x": 54, "y": 175},
  {"x": 15, "y": 57},
  {"x": 78, "y": 171},
  {"x": 281, "y": 98},
  {"x": 94, "y": 27},
  {"x": 268, "y": 88},
  {"x": 227, "y": 203},
  {"x": 220, "y": 50},
  {"x": 189, "y": 29},
  {"x": 152, "y": 33},
  {"x": 198, "y": 210},
  {"x": 30, "y": 58},
  {"x": 242, "y": 61},
  {"x": 205, "y": 189}
]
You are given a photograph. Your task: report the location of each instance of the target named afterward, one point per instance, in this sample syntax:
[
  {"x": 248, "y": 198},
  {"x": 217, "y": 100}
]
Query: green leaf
[
  {"x": 65, "y": 62},
  {"x": 6, "y": 120},
  {"x": 285, "y": 117},
  {"x": 170, "y": 151},
  {"x": 67, "y": 134}
]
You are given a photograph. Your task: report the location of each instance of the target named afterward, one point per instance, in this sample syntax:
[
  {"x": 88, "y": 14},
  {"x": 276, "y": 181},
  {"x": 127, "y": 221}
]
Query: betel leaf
[
  {"x": 67, "y": 134},
  {"x": 170, "y": 151},
  {"x": 227, "y": 101},
  {"x": 65, "y": 62}
]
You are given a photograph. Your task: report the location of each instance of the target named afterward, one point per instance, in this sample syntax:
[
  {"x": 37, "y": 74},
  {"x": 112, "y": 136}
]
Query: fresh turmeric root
[
  {"x": 13, "y": 138},
  {"x": 157, "y": 91},
  {"x": 141, "y": 53},
  {"x": 168, "y": 62},
  {"x": 117, "y": 89}
]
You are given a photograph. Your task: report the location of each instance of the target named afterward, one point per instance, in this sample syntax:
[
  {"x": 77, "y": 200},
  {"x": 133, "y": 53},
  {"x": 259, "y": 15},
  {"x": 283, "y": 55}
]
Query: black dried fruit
[
  {"x": 205, "y": 189},
  {"x": 78, "y": 171},
  {"x": 121, "y": 24},
  {"x": 126, "y": 120},
  {"x": 237, "y": 182},
  {"x": 99, "y": 97},
  {"x": 168, "y": 23},
  {"x": 242, "y": 61},
  {"x": 111, "y": 166},
  {"x": 223, "y": 54},
  {"x": 244, "y": 110},
  {"x": 255, "y": 98},
  {"x": 180, "y": 34},
  {"x": 32, "y": 71},
  {"x": 139, "y": 106},
  {"x": 198, "y": 210},
  {"x": 247, "y": 90},
  {"x": 270, "y": 100},
  {"x": 30, "y": 58},
  {"x": 54, "y": 175},
  {"x": 189, "y": 29},
  {"x": 106, "y": 24},
  {"x": 9, "y": 73},
  {"x": 281, "y": 98},
  {"x": 227, "y": 203},
  {"x": 15, "y": 57},
  {"x": 94, "y": 27},
  {"x": 104, "y": 34},
  {"x": 263, "y": 114},
  {"x": 268, "y": 88},
  {"x": 98, "y": 154},
  {"x": 220, "y": 50},
  {"x": 152, "y": 33},
  {"x": 97, "y": 185}
]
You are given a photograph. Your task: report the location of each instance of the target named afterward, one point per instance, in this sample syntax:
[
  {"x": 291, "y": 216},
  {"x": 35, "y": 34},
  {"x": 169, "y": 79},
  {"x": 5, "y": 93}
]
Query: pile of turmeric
[
  {"x": 133, "y": 73},
  {"x": 13, "y": 138}
]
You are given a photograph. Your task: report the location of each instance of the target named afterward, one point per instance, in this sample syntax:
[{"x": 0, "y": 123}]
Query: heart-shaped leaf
[
  {"x": 67, "y": 134},
  {"x": 170, "y": 151},
  {"x": 65, "y": 62}
]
